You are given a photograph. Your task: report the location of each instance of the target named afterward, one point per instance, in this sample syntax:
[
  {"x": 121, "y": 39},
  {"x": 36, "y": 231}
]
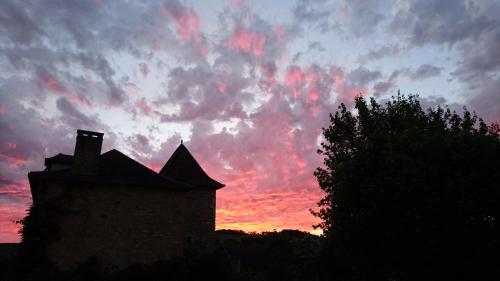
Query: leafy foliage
[
  {"x": 410, "y": 195},
  {"x": 38, "y": 229}
]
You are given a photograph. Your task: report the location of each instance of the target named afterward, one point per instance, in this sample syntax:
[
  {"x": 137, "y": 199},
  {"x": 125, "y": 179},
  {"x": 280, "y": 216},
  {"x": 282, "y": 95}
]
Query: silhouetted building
[{"x": 110, "y": 207}]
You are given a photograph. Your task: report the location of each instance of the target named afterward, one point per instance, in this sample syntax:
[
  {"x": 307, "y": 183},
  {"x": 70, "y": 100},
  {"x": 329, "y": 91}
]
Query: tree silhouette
[{"x": 410, "y": 195}]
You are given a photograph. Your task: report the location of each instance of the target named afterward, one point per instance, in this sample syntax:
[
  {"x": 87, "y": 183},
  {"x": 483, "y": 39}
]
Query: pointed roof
[{"x": 183, "y": 167}]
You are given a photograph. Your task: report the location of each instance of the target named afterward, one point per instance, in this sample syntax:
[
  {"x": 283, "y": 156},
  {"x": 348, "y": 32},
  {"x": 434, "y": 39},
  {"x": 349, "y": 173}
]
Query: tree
[{"x": 410, "y": 195}]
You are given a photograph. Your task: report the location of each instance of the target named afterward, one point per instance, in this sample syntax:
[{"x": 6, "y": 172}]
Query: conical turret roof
[{"x": 184, "y": 168}]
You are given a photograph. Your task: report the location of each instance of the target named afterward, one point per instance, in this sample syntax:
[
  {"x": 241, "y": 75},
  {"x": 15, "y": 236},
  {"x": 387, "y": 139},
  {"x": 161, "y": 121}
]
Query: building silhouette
[{"x": 110, "y": 207}]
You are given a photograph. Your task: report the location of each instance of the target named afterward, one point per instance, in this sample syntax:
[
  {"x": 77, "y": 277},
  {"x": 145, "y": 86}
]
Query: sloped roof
[
  {"x": 114, "y": 167},
  {"x": 183, "y": 167},
  {"x": 59, "y": 158}
]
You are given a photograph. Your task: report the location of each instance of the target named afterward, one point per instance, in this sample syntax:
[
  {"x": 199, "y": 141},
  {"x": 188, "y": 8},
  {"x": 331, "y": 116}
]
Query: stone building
[{"x": 110, "y": 207}]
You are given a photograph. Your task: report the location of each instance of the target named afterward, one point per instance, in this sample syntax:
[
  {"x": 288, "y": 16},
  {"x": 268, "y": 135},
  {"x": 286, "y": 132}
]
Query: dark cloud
[
  {"x": 316, "y": 46},
  {"x": 358, "y": 17},
  {"x": 313, "y": 13},
  {"x": 424, "y": 71},
  {"x": 83, "y": 33},
  {"x": 479, "y": 71},
  {"x": 473, "y": 29},
  {"x": 140, "y": 146},
  {"x": 17, "y": 25},
  {"x": 141, "y": 149},
  {"x": 74, "y": 118},
  {"x": 380, "y": 53},
  {"x": 362, "y": 76},
  {"x": 481, "y": 57},
  {"x": 19, "y": 124},
  {"x": 442, "y": 22},
  {"x": 383, "y": 87},
  {"x": 28, "y": 136},
  {"x": 101, "y": 66},
  {"x": 483, "y": 97},
  {"x": 202, "y": 93}
]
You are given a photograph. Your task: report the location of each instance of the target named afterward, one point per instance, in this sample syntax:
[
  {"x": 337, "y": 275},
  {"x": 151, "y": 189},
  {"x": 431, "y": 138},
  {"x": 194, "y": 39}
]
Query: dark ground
[{"x": 285, "y": 255}]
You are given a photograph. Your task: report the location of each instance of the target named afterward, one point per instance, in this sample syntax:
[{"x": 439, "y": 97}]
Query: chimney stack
[{"x": 87, "y": 152}]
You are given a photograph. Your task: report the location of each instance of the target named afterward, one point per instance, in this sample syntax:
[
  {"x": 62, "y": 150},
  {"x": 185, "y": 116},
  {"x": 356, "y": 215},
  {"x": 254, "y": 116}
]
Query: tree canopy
[{"x": 410, "y": 194}]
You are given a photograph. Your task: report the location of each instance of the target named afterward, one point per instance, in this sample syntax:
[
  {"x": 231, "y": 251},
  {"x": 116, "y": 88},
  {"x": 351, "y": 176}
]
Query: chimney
[{"x": 87, "y": 152}]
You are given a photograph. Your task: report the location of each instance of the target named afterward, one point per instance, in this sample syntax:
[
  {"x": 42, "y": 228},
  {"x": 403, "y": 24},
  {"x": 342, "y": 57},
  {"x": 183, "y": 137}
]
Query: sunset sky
[{"x": 247, "y": 85}]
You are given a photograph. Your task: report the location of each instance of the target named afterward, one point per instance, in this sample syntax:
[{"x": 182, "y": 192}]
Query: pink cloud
[
  {"x": 50, "y": 83},
  {"x": 15, "y": 200},
  {"x": 313, "y": 95},
  {"x": 268, "y": 79},
  {"x": 314, "y": 82},
  {"x": 235, "y": 3},
  {"x": 55, "y": 86},
  {"x": 144, "y": 69},
  {"x": 9, "y": 214},
  {"x": 344, "y": 11},
  {"x": 267, "y": 168},
  {"x": 14, "y": 189},
  {"x": 246, "y": 41},
  {"x": 143, "y": 107},
  {"x": 294, "y": 75},
  {"x": 343, "y": 87},
  {"x": 269, "y": 70},
  {"x": 279, "y": 33},
  {"x": 294, "y": 78},
  {"x": 221, "y": 86},
  {"x": 12, "y": 155},
  {"x": 188, "y": 25}
]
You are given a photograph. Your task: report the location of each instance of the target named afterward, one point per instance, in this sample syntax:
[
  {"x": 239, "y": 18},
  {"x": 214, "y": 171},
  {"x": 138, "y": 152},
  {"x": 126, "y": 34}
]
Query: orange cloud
[{"x": 257, "y": 212}]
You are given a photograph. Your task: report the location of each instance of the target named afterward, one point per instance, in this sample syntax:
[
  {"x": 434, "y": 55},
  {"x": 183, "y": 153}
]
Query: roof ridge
[
  {"x": 125, "y": 156},
  {"x": 129, "y": 158}
]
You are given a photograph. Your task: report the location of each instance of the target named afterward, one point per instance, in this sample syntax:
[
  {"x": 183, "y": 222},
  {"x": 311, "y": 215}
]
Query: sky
[{"x": 247, "y": 85}]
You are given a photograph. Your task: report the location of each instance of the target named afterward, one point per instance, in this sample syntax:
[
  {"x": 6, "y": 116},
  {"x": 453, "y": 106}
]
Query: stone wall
[
  {"x": 200, "y": 220},
  {"x": 120, "y": 225}
]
